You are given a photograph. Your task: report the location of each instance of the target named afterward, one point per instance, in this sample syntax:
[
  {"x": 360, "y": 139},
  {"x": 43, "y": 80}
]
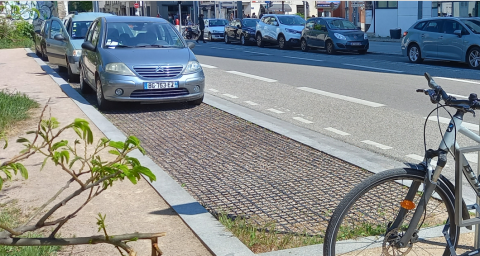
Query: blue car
[{"x": 333, "y": 34}]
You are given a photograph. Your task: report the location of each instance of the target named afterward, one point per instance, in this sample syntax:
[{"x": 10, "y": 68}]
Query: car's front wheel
[
  {"x": 304, "y": 45},
  {"x": 260, "y": 41},
  {"x": 282, "y": 44},
  {"x": 102, "y": 103},
  {"x": 414, "y": 54},
  {"x": 227, "y": 41},
  {"x": 242, "y": 40},
  {"x": 330, "y": 47},
  {"x": 84, "y": 87},
  {"x": 210, "y": 37},
  {"x": 473, "y": 58}
]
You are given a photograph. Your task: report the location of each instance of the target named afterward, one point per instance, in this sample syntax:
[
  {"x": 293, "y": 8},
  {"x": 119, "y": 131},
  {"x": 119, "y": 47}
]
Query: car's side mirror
[
  {"x": 458, "y": 32},
  {"x": 88, "y": 46},
  {"x": 190, "y": 45},
  {"x": 59, "y": 37}
]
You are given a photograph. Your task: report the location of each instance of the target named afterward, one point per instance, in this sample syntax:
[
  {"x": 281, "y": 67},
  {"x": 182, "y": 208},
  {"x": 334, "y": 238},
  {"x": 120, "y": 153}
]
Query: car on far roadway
[
  {"x": 214, "y": 29},
  {"x": 242, "y": 30},
  {"x": 279, "y": 29},
  {"x": 139, "y": 59},
  {"x": 443, "y": 38},
  {"x": 333, "y": 34}
]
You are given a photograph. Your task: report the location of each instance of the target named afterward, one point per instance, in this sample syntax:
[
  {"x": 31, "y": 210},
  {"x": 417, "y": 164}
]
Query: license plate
[
  {"x": 160, "y": 85},
  {"x": 355, "y": 43}
]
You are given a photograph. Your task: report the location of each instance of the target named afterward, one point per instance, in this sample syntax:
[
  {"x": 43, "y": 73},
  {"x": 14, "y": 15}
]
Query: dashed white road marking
[
  {"x": 301, "y": 58},
  {"x": 303, "y": 120},
  {"x": 443, "y": 120},
  {"x": 207, "y": 66},
  {"x": 337, "y": 131},
  {"x": 275, "y": 111},
  {"x": 251, "y": 103},
  {"x": 360, "y": 66},
  {"x": 221, "y": 48},
  {"x": 231, "y": 96},
  {"x": 213, "y": 90},
  {"x": 261, "y": 53},
  {"x": 342, "y": 97},
  {"x": 378, "y": 145},
  {"x": 252, "y": 76},
  {"x": 457, "y": 80}
]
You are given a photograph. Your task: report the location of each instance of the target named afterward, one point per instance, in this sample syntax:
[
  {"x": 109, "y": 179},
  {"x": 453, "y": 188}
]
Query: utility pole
[
  {"x": 180, "y": 13},
  {"x": 305, "y": 10},
  {"x": 283, "y": 7}
]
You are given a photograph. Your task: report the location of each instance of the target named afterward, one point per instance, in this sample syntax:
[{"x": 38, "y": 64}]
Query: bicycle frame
[{"x": 447, "y": 143}]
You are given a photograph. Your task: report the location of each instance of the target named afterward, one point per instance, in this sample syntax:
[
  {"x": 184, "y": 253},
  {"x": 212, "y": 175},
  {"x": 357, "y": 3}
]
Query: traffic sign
[{"x": 136, "y": 5}]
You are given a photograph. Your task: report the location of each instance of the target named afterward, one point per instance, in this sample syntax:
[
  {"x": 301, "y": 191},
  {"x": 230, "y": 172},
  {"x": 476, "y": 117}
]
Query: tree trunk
[{"x": 62, "y": 10}]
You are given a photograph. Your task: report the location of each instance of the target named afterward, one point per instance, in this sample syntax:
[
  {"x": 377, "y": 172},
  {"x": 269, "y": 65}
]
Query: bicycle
[{"x": 365, "y": 217}]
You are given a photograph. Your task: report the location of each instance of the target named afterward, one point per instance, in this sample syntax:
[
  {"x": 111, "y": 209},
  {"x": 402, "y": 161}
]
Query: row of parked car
[
  {"x": 123, "y": 58},
  {"x": 288, "y": 31}
]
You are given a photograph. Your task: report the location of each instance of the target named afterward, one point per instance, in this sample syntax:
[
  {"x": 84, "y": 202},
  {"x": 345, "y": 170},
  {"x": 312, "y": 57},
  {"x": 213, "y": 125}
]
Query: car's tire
[
  {"x": 473, "y": 58},
  {"x": 196, "y": 102},
  {"x": 329, "y": 47},
  {"x": 362, "y": 51},
  {"x": 102, "y": 103},
  {"x": 44, "y": 54},
  {"x": 282, "y": 43},
  {"x": 37, "y": 52},
  {"x": 242, "y": 40},
  {"x": 227, "y": 40},
  {"x": 71, "y": 76},
  {"x": 210, "y": 37},
  {"x": 414, "y": 54},
  {"x": 260, "y": 42},
  {"x": 84, "y": 87},
  {"x": 62, "y": 69},
  {"x": 304, "y": 45}
]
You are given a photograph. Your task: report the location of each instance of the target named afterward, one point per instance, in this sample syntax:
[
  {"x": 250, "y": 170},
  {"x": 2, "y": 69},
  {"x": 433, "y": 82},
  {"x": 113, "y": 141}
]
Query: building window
[{"x": 386, "y": 4}]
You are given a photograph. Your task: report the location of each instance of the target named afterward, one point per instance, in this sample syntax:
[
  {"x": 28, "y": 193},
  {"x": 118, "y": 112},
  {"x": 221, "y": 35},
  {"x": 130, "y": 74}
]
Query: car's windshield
[
  {"x": 473, "y": 25},
  {"x": 142, "y": 34},
  {"x": 340, "y": 24},
  {"x": 292, "y": 20},
  {"x": 216, "y": 23},
  {"x": 250, "y": 23},
  {"x": 78, "y": 30}
]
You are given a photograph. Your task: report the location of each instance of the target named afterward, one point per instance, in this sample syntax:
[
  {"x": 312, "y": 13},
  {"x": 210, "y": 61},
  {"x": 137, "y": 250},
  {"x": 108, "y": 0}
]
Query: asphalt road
[{"x": 365, "y": 100}]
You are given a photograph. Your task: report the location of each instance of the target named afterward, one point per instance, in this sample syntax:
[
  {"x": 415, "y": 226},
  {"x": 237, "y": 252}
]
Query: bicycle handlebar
[{"x": 436, "y": 94}]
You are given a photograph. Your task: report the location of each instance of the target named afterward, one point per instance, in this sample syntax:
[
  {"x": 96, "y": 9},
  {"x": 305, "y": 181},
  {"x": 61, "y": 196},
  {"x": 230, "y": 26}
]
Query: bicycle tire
[{"x": 375, "y": 181}]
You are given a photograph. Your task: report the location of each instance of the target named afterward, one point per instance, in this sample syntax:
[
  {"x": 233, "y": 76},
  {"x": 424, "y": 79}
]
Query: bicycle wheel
[{"x": 359, "y": 223}]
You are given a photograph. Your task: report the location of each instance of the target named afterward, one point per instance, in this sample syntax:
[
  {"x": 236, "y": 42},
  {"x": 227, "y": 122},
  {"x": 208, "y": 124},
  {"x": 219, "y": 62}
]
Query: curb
[{"x": 208, "y": 229}]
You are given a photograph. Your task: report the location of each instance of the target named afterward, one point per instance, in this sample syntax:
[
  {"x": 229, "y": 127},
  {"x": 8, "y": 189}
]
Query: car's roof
[
  {"x": 280, "y": 15},
  {"x": 114, "y": 18},
  {"x": 88, "y": 16},
  {"x": 448, "y": 18}
]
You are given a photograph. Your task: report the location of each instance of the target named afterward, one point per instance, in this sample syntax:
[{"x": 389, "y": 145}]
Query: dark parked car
[
  {"x": 242, "y": 30},
  {"x": 139, "y": 59},
  {"x": 39, "y": 40},
  {"x": 333, "y": 34}
]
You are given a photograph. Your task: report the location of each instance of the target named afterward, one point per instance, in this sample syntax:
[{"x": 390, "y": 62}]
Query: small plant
[
  {"x": 91, "y": 173},
  {"x": 14, "y": 107}
]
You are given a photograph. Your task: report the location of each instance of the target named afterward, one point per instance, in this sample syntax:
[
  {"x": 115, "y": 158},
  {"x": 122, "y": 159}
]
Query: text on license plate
[
  {"x": 356, "y": 43},
  {"x": 160, "y": 85}
]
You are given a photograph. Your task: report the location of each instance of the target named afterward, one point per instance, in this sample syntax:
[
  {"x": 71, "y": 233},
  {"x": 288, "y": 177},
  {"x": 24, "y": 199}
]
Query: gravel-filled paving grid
[{"x": 231, "y": 165}]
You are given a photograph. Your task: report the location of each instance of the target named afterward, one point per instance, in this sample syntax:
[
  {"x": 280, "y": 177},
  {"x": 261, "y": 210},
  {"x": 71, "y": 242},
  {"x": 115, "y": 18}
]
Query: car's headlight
[
  {"x": 365, "y": 36},
  {"x": 77, "y": 53},
  {"x": 340, "y": 36},
  {"x": 292, "y": 31},
  {"x": 192, "y": 67},
  {"x": 119, "y": 69}
]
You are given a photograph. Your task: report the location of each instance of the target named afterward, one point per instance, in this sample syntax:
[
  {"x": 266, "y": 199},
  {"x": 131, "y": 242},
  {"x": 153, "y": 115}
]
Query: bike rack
[{"x": 459, "y": 163}]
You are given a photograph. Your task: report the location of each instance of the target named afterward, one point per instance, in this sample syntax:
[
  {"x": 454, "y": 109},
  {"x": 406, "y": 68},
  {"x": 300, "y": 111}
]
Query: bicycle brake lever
[
  {"x": 470, "y": 111},
  {"x": 425, "y": 91}
]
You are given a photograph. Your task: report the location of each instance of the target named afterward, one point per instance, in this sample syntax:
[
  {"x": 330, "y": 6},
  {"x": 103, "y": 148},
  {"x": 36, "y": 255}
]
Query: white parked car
[
  {"x": 214, "y": 29},
  {"x": 284, "y": 30}
]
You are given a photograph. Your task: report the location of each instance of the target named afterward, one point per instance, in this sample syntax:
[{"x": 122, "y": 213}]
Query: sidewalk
[{"x": 129, "y": 208}]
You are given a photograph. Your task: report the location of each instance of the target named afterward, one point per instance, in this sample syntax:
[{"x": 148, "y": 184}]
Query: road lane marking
[
  {"x": 303, "y": 120},
  {"x": 275, "y": 111},
  {"x": 378, "y": 145},
  {"x": 336, "y": 131},
  {"x": 213, "y": 90},
  {"x": 252, "y": 76},
  {"x": 207, "y": 66},
  {"x": 251, "y": 103},
  {"x": 301, "y": 58},
  {"x": 342, "y": 97},
  {"x": 457, "y": 80},
  {"x": 444, "y": 120},
  {"x": 257, "y": 53},
  {"x": 221, "y": 48},
  {"x": 231, "y": 96},
  {"x": 360, "y": 66},
  {"x": 420, "y": 158}
]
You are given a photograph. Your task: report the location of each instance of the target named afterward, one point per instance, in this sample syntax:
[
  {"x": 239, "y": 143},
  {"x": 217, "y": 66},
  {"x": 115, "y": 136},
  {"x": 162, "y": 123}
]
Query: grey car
[
  {"x": 139, "y": 59},
  {"x": 443, "y": 38}
]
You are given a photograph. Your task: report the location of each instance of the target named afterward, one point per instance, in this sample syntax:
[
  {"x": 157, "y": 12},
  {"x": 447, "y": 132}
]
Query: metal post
[
  {"x": 180, "y": 16},
  {"x": 305, "y": 10},
  {"x": 283, "y": 7},
  {"x": 215, "y": 4},
  {"x": 346, "y": 10},
  {"x": 239, "y": 9}
]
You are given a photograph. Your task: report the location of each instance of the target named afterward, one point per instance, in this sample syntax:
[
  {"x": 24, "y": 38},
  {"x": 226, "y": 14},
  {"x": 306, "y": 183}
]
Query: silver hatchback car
[
  {"x": 443, "y": 38},
  {"x": 139, "y": 59}
]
